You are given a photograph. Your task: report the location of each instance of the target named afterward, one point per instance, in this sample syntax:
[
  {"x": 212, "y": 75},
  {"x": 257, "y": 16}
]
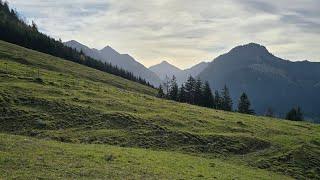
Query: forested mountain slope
[
  {"x": 269, "y": 81},
  {"x": 15, "y": 30},
  {"x": 124, "y": 61}
]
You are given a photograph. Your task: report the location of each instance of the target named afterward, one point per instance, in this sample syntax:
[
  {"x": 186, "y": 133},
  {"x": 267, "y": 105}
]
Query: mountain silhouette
[
  {"x": 166, "y": 69},
  {"x": 269, "y": 81},
  {"x": 124, "y": 61}
]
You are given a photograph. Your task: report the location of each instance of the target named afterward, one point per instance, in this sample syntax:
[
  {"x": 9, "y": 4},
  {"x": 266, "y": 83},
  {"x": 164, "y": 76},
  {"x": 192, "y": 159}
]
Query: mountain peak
[
  {"x": 166, "y": 64},
  {"x": 124, "y": 61},
  {"x": 75, "y": 44},
  {"x": 165, "y": 69},
  {"x": 108, "y": 50},
  {"x": 255, "y": 46},
  {"x": 252, "y": 44},
  {"x": 252, "y": 48},
  {"x": 72, "y": 41}
]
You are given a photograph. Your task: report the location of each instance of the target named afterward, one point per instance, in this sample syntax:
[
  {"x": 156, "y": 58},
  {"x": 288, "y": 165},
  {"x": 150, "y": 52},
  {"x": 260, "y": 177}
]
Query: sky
[{"x": 182, "y": 32}]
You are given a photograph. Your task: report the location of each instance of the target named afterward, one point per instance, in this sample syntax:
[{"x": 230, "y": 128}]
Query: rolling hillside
[{"x": 62, "y": 119}]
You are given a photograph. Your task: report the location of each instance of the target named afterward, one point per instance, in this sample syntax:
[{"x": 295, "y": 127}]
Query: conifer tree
[
  {"x": 166, "y": 86},
  {"x": 160, "y": 92},
  {"x": 34, "y": 26},
  {"x": 190, "y": 90},
  {"x": 217, "y": 104},
  {"x": 182, "y": 94},
  {"x": 244, "y": 105},
  {"x": 207, "y": 96},
  {"x": 295, "y": 114},
  {"x": 198, "y": 92},
  {"x": 226, "y": 99},
  {"x": 173, "y": 89}
]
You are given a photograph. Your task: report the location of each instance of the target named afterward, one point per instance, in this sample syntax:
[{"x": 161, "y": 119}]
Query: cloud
[{"x": 183, "y": 31}]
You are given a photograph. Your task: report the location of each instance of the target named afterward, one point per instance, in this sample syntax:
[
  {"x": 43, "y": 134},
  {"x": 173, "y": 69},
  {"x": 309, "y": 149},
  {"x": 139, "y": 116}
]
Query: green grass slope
[
  {"x": 29, "y": 158},
  {"x": 49, "y": 98}
]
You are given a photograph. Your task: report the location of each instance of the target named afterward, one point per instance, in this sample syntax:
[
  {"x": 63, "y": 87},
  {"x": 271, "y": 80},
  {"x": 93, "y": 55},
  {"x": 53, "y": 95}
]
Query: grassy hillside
[
  {"x": 48, "y": 98},
  {"x": 28, "y": 158}
]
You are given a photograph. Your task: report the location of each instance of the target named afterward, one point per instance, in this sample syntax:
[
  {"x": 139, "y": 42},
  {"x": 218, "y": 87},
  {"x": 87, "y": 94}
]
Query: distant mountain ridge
[
  {"x": 166, "y": 69},
  {"x": 125, "y": 61},
  {"x": 268, "y": 80},
  {"x": 194, "y": 71}
]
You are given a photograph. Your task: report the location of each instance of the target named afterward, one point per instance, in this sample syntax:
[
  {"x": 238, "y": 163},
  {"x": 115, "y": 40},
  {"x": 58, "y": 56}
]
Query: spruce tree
[
  {"x": 34, "y": 26},
  {"x": 166, "y": 85},
  {"x": 244, "y": 105},
  {"x": 226, "y": 99},
  {"x": 190, "y": 90},
  {"x": 173, "y": 89},
  {"x": 182, "y": 94},
  {"x": 198, "y": 92},
  {"x": 207, "y": 96},
  {"x": 295, "y": 114},
  {"x": 160, "y": 92},
  {"x": 217, "y": 104}
]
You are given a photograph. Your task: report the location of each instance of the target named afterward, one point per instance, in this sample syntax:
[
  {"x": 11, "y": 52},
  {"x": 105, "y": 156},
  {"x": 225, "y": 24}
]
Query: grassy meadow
[{"x": 63, "y": 120}]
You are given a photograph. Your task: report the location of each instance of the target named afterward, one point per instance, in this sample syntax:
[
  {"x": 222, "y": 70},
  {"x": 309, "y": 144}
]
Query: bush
[{"x": 39, "y": 80}]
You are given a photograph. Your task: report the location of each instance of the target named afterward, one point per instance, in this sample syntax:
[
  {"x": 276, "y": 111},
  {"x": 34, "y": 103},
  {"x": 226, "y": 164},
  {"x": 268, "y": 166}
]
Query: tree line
[
  {"x": 15, "y": 30},
  {"x": 196, "y": 92},
  {"x": 199, "y": 93}
]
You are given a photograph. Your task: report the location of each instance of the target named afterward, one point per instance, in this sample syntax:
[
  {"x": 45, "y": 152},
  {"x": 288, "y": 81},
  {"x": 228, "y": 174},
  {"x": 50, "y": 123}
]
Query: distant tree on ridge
[
  {"x": 295, "y": 114},
  {"x": 226, "y": 99},
  {"x": 244, "y": 105}
]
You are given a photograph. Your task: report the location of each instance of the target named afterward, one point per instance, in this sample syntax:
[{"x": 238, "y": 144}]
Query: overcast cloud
[{"x": 183, "y": 32}]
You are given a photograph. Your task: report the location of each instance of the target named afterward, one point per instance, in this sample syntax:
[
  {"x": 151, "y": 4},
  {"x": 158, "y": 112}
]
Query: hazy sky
[{"x": 183, "y": 32}]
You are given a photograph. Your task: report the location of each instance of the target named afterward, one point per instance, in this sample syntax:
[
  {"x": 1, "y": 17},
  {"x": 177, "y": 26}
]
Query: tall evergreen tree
[
  {"x": 34, "y": 26},
  {"x": 295, "y": 114},
  {"x": 182, "y": 94},
  {"x": 217, "y": 104},
  {"x": 160, "y": 92},
  {"x": 207, "y": 96},
  {"x": 226, "y": 99},
  {"x": 173, "y": 89},
  {"x": 166, "y": 85},
  {"x": 244, "y": 105},
  {"x": 198, "y": 92},
  {"x": 190, "y": 90}
]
